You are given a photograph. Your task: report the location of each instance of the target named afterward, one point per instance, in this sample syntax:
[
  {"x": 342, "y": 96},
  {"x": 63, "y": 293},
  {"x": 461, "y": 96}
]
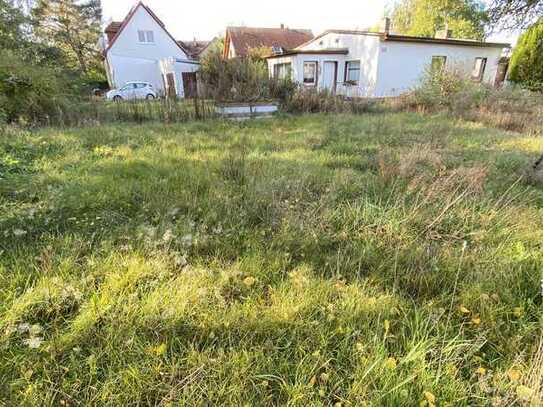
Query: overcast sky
[{"x": 205, "y": 19}]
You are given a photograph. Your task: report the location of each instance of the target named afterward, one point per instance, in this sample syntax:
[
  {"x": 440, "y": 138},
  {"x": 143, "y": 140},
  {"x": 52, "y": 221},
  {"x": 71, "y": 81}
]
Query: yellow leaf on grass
[
  {"x": 464, "y": 310},
  {"x": 476, "y": 321},
  {"x": 429, "y": 397}
]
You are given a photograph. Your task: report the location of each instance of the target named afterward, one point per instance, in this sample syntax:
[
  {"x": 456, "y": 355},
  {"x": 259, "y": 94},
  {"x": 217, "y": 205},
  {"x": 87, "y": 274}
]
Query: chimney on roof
[
  {"x": 386, "y": 25},
  {"x": 282, "y": 26},
  {"x": 444, "y": 34}
]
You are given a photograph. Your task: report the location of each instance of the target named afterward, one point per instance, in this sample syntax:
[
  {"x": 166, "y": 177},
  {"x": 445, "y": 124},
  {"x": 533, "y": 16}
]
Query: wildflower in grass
[
  {"x": 524, "y": 393},
  {"x": 481, "y": 371},
  {"x": 168, "y": 236},
  {"x": 391, "y": 363},
  {"x": 249, "y": 281},
  {"x": 23, "y": 328},
  {"x": 312, "y": 381},
  {"x": 19, "y": 232},
  {"x": 514, "y": 374},
  {"x": 429, "y": 398},
  {"x": 158, "y": 350},
  {"x": 359, "y": 346},
  {"x": 518, "y": 312},
  {"x": 186, "y": 240},
  {"x": 33, "y": 342},
  {"x": 35, "y": 329}
]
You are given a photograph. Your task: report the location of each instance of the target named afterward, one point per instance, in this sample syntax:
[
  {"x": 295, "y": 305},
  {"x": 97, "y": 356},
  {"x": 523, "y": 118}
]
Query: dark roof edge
[
  {"x": 445, "y": 41},
  {"x": 408, "y": 38},
  {"x": 339, "y": 51}
]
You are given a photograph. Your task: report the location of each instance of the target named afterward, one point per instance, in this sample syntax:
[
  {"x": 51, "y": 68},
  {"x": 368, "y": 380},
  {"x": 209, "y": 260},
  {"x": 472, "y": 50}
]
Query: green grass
[{"x": 380, "y": 259}]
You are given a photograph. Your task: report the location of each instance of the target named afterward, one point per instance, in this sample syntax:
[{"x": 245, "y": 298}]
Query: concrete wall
[{"x": 402, "y": 64}]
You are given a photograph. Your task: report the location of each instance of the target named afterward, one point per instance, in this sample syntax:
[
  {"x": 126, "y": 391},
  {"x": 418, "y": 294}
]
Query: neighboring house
[
  {"x": 140, "y": 48},
  {"x": 195, "y": 48},
  {"x": 370, "y": 64},
  {"x": 239, "y": 41}
]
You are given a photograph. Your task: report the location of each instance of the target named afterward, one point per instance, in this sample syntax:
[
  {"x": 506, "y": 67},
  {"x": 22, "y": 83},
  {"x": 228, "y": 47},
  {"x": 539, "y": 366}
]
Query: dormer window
[{"x": 146, "y": 37}]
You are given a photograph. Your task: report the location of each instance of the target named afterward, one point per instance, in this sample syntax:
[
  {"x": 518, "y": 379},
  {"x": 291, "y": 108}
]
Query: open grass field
[{"x": 379, "y": 259}]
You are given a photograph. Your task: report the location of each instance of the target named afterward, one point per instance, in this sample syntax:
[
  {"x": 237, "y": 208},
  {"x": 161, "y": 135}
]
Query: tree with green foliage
[
  {"x": 514, "y": 14},
  {"x": 526, "y": 67},
  {"x": 12, "y": 26},
  {"x": 72, "y": 26},
  {"x": 466, "y": 18}
]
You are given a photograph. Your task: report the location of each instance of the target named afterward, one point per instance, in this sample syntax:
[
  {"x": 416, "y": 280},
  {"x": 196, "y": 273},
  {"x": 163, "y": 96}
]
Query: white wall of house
[
  {"x": 403, "y": 64},
  {"x": 128, "y": 59},
  {"x": 171, "y": 65},
  {"x": 387, "y": 68},
  {"x": 363, "y": 48}
]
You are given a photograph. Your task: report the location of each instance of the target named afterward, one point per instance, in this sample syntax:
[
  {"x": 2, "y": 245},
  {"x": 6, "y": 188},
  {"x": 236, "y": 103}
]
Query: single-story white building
[
  {"x": 382, "y": 64},
  {"x": 141, "y": 49}
]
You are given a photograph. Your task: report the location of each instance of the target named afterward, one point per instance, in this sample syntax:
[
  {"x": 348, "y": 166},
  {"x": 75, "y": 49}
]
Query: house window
[
  {"x": 438, "y": 63},
  {"x": 479, "y": 69},
  {"x": 352, "y": 72},
  {"x": 146, "y": 37},
  {"x": 310, "y": 73},
  {"x": 282, "y": 71}
]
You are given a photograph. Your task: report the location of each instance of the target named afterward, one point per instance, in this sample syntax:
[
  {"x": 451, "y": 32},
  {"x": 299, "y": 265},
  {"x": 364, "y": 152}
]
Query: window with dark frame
[
  {"x": 438, "y": 63},
  {"x": 282, "y": 71},
  {"x": 352, "y": 72},
  {"x": 479, "y": 69},
  {"x": 310, "y": 73}
]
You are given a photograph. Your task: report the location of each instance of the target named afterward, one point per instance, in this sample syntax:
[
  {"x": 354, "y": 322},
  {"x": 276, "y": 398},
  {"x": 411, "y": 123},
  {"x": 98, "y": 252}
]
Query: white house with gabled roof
[
  {"x": 140, "y": 49},
  {"x": 382, "y": 64}
]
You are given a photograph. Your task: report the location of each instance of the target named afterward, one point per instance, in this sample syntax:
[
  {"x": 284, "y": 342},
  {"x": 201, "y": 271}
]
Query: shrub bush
[
  {"x": 234, "y": 80},
  {"x": 526, "y": 66},
  {"x": 30, "y": 94},
  {"x": 510, "y": 107},
  {"x": 304, "y": 100}
]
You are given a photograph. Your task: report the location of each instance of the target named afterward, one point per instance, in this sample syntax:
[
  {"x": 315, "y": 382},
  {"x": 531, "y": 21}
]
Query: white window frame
[
  {"x": 347, "y": 70},
  {"x": 479, "y": 75},
  {"x": 315, "y": 64},
  {"x": 282, "y": 70},
  {"x": 148, "y": 36}
]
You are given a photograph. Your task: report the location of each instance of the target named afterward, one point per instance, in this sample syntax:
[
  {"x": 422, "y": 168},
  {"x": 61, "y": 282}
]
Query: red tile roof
[{"x": 245, "y": 38}]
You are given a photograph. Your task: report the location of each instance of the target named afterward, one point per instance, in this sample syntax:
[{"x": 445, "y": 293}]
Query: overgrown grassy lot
[{"x": 379, "y": 259}]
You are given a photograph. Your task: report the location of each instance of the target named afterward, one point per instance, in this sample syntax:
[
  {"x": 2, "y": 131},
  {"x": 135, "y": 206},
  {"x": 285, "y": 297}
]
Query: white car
[{"x": 132, "y": 91}]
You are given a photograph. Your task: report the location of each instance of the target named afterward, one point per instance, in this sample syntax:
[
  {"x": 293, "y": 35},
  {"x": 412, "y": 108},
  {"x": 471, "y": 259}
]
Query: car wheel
[
  {"x": 150, "y": 97},
  {"x": 117, "y": 98}
]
